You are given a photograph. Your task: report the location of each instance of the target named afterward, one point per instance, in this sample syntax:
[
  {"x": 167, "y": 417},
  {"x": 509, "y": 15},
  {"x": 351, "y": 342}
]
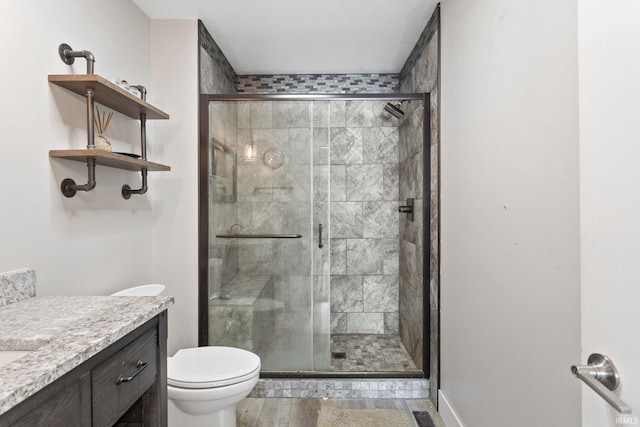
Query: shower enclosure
[{"x": 299, "y": 228}]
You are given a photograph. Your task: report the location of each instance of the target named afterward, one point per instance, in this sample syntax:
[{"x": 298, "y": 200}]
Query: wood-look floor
[{"x": 298, "y": 412}]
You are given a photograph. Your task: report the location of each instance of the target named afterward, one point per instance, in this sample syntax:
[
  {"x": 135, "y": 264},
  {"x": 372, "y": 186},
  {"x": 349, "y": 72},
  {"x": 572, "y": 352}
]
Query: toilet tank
[{"x": 152, "y": 290}]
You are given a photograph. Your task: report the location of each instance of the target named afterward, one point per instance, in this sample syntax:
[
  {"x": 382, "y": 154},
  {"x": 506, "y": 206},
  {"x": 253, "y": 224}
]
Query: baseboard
[{"x": 446, "y": 411}]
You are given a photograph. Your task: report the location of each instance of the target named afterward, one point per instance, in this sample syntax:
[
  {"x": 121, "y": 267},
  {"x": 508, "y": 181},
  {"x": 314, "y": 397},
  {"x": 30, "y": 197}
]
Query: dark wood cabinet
[
  {"x": 65, "y": 403},
  {"x": 125, "y": 384},
  {"x": 120, "y": 380}
]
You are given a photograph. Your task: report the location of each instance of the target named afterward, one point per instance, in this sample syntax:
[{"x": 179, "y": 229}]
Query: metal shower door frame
[{"x": 203, "y": 216}]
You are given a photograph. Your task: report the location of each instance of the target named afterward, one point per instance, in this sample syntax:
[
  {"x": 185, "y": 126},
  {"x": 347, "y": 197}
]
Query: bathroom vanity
[{"x": 84, "y": 361}]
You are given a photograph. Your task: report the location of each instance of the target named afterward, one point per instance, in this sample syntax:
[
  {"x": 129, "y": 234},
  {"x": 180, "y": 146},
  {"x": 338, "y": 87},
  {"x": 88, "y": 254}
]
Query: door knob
[{"x": 602, "y": 376}]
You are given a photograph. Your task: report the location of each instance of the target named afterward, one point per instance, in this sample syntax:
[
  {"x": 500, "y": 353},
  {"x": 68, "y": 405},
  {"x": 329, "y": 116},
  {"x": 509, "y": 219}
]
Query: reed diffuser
[{"x": 102, "y": 124}]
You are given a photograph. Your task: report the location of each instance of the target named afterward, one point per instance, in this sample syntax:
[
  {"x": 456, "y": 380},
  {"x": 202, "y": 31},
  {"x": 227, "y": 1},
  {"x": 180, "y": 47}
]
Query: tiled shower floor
[{"x": 370, "y": 353}]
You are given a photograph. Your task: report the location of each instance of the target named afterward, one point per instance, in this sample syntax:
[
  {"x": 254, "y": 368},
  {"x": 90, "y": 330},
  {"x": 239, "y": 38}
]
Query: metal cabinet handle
[
  {"x": 140, "y": 365},
  {"x": 602, "y": 376},
  {"x": 320, "y": 245}
]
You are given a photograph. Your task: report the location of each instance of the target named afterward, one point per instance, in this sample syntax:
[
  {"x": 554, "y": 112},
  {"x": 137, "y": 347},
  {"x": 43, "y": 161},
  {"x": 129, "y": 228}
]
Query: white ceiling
[{"x": 306, "y": 36}]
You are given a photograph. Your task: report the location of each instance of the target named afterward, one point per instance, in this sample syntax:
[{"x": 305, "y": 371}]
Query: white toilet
[{"x": 205, "y": 384}]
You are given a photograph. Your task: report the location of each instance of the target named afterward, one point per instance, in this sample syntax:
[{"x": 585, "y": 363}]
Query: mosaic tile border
[
  {"x": 209, "y": 45},
  {"x": 318, "y": 83},
  {"x": 425, "y": 37},
  {"x": 343, "y": 388},
  {"x": 17, "y": 285}
]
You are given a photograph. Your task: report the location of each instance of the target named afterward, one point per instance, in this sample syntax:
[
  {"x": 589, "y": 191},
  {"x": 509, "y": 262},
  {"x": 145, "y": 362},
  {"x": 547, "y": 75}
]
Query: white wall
[
  {"x": 96, "y": 242},
  {"x": 174, "y": 47},
  {"x": 510, "y": 291},
  {"x": 610, "y": 197}
]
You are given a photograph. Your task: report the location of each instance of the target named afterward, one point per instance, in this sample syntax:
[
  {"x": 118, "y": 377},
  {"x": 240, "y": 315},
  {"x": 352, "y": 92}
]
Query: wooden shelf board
[
  {"x": 108, "y": 94},
  {"x": 105, "y": 158}
]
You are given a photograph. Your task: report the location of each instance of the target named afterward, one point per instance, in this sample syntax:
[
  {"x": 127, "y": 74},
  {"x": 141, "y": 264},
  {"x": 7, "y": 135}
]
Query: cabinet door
[{"x": 70, "y": 406}]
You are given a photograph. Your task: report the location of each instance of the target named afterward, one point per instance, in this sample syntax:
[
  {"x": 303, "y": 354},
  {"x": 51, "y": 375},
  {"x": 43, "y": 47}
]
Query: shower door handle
[{"x": 320, "y": 245}]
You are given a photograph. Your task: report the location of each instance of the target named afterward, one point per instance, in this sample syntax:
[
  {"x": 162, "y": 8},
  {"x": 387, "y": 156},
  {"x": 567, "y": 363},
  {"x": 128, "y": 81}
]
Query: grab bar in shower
[{"x": 259, "y": 236}]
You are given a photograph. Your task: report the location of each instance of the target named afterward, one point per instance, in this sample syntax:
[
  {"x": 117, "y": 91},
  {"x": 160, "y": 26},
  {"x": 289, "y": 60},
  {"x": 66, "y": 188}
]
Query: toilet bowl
[{"x": 205, "y": 384}]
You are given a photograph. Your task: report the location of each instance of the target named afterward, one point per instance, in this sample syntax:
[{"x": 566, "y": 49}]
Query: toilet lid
[{"x": 209, "y": 367}]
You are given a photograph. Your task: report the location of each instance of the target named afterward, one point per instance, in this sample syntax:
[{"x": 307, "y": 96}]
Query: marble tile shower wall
[
  {"x": 274, "y": 197},
  {"x": 411, "y": 232},
  {"x": 420, "y": 73},
  {"x": 360, "y": 143},
  {"x": 223, "y": 212},
  {"x": 216, "y": 74},
  {"x": 274, "y": 186},
  {"x": 363, "y": 141}
]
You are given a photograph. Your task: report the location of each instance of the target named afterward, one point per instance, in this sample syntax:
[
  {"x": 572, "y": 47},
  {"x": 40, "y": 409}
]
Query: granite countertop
[{"x": 63, "y": 332}]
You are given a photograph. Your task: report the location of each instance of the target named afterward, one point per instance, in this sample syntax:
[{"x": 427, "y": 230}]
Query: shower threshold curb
[
  {"x": 340, "y": 374},
  {"x": 345, "y": 388}
]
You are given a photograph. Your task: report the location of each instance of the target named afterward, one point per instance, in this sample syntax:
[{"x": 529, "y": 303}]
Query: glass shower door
[{"x": 268, "y": 253}]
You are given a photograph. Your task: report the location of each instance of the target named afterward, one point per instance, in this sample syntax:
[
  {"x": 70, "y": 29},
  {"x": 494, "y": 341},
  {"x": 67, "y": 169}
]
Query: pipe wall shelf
[
  {"x": 108, "y": 94},
  {"x": 104, "y": 158},
  {"x": 98, "y": 89}
]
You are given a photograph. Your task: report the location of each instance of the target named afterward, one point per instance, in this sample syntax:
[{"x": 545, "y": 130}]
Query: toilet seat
[{"x": 211, "y": 367}]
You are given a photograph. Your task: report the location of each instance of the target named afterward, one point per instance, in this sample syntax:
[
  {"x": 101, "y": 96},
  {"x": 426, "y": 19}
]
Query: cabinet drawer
[{"x": 120, "y": 380}]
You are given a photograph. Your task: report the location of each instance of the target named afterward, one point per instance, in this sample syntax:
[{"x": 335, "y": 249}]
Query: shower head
[{"x": 394, "y": 110}]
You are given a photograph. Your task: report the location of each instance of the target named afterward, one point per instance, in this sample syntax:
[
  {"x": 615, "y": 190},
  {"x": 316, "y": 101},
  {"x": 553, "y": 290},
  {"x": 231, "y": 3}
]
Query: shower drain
[{"x": 339, "y": 355}]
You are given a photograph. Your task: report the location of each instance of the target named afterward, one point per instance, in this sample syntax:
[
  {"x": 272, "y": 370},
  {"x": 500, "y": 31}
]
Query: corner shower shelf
[
  {"x": 98, "y": 89},
  {"x": 114, "y": 160},
  {"x": 108, "y": 94}
]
